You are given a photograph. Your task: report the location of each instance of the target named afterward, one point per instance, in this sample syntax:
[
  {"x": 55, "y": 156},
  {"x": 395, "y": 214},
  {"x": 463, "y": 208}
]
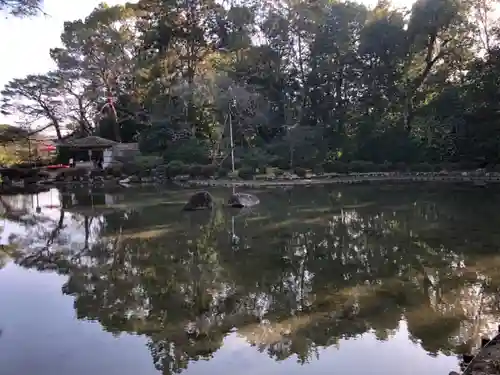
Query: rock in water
[
  {"x": 199, "y": 201},
  {"x": 241, "y": 200}
]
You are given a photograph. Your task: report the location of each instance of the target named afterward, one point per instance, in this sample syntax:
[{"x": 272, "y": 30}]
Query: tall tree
[
  {"x": 22, "y": 8},
  {"x": 35, "y": 99},
  {"x": 98, "y": 54}
]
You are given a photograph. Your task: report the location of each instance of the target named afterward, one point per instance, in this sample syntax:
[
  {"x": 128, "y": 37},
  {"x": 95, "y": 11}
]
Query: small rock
[{"x": 241, "y": 200}]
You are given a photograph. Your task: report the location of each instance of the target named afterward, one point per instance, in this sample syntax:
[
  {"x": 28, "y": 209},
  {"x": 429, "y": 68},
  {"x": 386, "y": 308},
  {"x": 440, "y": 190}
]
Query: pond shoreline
[
  {"x": 266, "y": 182},
  {"x": 346, "y": 180}
]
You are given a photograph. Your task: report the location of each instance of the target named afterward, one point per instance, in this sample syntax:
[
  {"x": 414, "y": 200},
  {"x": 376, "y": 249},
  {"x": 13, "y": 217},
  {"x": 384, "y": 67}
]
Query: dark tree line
[{"x": 303, "y": 81}]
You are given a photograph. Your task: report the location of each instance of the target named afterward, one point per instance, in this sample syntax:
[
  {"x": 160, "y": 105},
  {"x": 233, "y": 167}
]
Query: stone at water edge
[
  {"x": 240, "y": 200},
  {"x": 199, "y": 201},
  {"x": 453, "y": 373}
]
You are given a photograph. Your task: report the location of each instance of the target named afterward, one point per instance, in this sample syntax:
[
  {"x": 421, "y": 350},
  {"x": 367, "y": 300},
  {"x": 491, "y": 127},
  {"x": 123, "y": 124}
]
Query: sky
[{"x": 25, "y": 44}]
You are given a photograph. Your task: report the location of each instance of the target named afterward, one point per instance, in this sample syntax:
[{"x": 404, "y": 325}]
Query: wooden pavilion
[{"x": 90, "y": 144}]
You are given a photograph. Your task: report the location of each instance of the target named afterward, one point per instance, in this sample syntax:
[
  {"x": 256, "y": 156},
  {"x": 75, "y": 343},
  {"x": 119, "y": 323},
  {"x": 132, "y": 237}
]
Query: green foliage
[
  {"x": 376, "y": 85},
  {"x": 208, "y": 171},
  {"x": 8, "y": 158},
  {"x": 318, "y": 169},
  {"x": 148, "y": 162},
  {"x": 256, "y": 159},
  {"x": 246, "y": 173},
  {"x": 189, "y": 151},
  {"x": 176, "y": 168},
  {"x": 71, "y": 174},
  {"x": 423, "y": 167},
  {"x": 301, "y": 172},
  {"x": 195, "y": 170},
  {"x": 361, "y": 166},
  {"x": 335, "y": 167},
  {"x": 222, "y": 172},
  {"x": 114, "y": 170}
]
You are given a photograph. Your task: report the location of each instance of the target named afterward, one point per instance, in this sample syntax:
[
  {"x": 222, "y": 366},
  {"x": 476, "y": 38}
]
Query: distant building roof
[{"x": 91, "y": 142}]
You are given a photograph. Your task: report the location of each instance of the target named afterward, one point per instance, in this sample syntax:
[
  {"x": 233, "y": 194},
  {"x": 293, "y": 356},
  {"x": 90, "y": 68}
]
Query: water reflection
[{"x": 303, "y": 274}]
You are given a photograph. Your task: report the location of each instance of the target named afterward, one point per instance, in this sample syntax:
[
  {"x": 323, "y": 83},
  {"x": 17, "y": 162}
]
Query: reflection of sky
[
  {"x": 41, "y": 335},
  {"x": 366, "y": 355},
  {"x": 49, "y": 203},
  {"x": 26, "y": 202}
]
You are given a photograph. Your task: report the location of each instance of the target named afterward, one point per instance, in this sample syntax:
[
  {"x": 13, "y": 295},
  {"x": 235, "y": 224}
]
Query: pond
[{"x": 357, "y": 280}]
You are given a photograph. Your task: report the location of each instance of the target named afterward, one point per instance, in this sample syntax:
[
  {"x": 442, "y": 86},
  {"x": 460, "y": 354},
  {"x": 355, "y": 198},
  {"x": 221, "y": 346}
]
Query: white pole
[{"x": 231, "y": 138}]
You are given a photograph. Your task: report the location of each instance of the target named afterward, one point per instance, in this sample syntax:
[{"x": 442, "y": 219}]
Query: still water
[{"x": 358, "y": 280}]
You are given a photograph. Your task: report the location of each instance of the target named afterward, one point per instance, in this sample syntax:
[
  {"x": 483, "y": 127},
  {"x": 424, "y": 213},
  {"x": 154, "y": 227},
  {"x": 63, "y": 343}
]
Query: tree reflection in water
[{"x": 310, "y": 268}]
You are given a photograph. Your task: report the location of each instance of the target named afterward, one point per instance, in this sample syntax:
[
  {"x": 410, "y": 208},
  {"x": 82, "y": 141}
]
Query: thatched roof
[{"x": 91, "y": 142}]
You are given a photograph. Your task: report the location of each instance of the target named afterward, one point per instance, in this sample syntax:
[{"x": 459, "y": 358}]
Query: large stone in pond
[
  {"x": 199, "y": 201},
  {"x": 241, "y": 200}
]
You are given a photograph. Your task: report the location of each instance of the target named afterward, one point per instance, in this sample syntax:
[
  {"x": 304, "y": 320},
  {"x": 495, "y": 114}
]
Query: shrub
[
  {"x": 114, "y": 170},
  {"x": 422, "y": 167},
  {"x": 335, "y": 167},
  {"x": 232, "y": 175},
  {"x": 189, "y": 151},
  {"x": 30, "y": 180},
  {"x": 19, "y": 173},
  {"x": 208, "y": 171},
  {"x": 97, "y": 173},
  {"x": 301, "y": 172},
  {"x": 468, "y": 166},
  {"x": 256, "y": 159},
  {"x": 71, "y": 174},
  {"x": 43, "y": 175},
  {"x": 222, "y": 172},
  {"x": 9, "y": 158},
  {"x": 38, "y": 162},
  {"x": 147, "y": 162},
  {"x": 318, "y": 169},
  {"x": 130, "y": 168},
  {"x": 227, "y": 163},
  {"x": 401, "y": 167},
  {"x": 28, "y": 172},
  {"x": 305, "y": 162},
  {"x": 246, "y": 173},
  {"x": 361, "y": 166},
  {"x": 195, "y": 171},
  {"x": 175, "y": 168},
  {"x": 386, "y": 166},
  {"x": 139, "y": 165},
  {"x": 281, "y": 163},
  {"x": 450, "y": 167}
]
